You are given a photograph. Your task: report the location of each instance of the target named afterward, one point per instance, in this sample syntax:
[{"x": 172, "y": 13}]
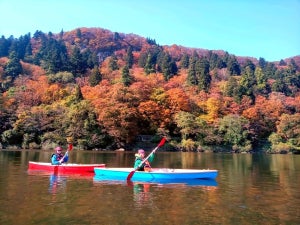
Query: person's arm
[
  {"x": 54, "y": 160},
  {"x": 66, "y": 158},
  {"x": 137, "y": 163}
]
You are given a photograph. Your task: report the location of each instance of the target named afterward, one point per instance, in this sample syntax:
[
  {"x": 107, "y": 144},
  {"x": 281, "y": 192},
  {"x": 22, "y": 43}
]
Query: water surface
[{"x": 250, "y": 189}]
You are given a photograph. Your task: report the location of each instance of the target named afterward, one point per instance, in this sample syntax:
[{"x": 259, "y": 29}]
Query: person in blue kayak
[
  {"x": 139, "y": 157},
  {"x": 59, "y": 158}
]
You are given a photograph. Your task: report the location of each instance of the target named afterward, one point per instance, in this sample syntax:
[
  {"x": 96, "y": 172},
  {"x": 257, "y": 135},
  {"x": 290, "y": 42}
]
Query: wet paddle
[
  {"x": 161, "y": 143},
  {"x": 70, "y": 148}
]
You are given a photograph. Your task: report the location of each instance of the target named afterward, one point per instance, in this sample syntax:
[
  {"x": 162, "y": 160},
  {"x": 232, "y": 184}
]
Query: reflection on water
[
  {"x": 142, "y": 194},
  {"x": 57, "y": 184},
  {"x": 250, "y": 189},
  {"x": 143, "y": 190}
]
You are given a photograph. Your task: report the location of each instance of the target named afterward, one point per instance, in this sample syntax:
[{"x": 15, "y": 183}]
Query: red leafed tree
[
  {"x": 177, "y": 100},
  {"x": 264, "y": 115},
  {"x": 117, "y": 110}
]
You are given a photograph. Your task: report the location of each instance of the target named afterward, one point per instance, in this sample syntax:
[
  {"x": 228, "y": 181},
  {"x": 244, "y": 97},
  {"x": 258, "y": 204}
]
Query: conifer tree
[
  {"x": 247, "y": 82},
  {"x": 184, "y": 62},
  {"x": 4, "y": 46},
  {"x": 192, "y": 78},
  {"x": 78, "y": 64},
  {"x": 113, "y": 64},
  {"x": 13, "y": 67},
  {"x": 78, "y": 33},
  {"x": 202, "y": 74},
  {"x": 282, "y": 63},
  {"x": 129, "y": 58},
  {"x": 262, "y": 63},
  {"x": 95, "y": 77},
  {"x": 150, "y": 64},
  {"x": 233, "y": 66},
  {"x": 53, "y": 56},
  {"x": 262, "y": 85},
  {"x": 126, "y": 77}
]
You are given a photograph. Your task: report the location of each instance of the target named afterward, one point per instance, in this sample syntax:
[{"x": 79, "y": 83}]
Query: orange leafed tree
[
  {"x": 264, "y": 114},
  {"x": 178, "y": 100},
  {"x": 116, "y": 109},
  {"x": 152, "y": 114}
]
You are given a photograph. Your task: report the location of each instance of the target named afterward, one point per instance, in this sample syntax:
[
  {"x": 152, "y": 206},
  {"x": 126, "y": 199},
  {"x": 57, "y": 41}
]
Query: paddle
[
  {"x": 161, "y": 143},
  {"x": 70, "y": 148}
]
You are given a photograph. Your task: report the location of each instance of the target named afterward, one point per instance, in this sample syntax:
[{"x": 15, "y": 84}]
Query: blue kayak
[
  {"x": 187, "y": 182},
  {"x": 156, "y": 174}
]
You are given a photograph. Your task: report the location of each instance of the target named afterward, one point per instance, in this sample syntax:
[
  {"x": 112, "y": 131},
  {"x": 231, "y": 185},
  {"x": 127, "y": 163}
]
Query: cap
[
  {"x": 141, "y": 151},
  {"x": 58, "y": 148}
]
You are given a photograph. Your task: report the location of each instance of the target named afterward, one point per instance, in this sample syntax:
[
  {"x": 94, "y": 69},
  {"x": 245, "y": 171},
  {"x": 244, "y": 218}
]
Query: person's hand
[{"x": 61, "y": 161}]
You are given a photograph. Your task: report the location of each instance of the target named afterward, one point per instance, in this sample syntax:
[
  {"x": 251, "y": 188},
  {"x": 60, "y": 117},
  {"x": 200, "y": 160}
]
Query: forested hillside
[{"x": 104, "y": 90}]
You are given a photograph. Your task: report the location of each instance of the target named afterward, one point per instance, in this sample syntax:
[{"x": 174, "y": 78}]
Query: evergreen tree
[
  {"x": 13, "y": 67},
  {"x": 78, "y": 64},
  {"x": 270, "y": 70},
  {"x": 292, "y": 67},
  {"x": 28, "y": 53},
  {"x": 202, "y": 74},
  {"x": 282, "y": 63},
  {"x": 53, "y": 56},
  {"x": 213, "y": 59},
  {"x": 90, "y": 58},
  {"x": 113, "y": 63},
  {"x": 167, "y": 65},
  {"x": 280, "y": 86},
  {"x": 232, "y": 88},
  {"x": 262, "y": 85},
  {"x": 95, "y": 77},
  {"x": 116, "y": 36},
  {"x": 61, "y": 34},
  {"x": 4, "y": 46},
  {"x": 262, "y": 63},
  {"x": 129, "y": 58},
  {"x": 184, "y": 62},
  {"x": 250, "y": 65},
  {"x": 142, "y": 59},
  {"x": 150, "y": 64},
  {"x": 78, "y": 33},
  {"x": 192, "y": 78},
  {"x": 14, "y": 47},
  {"x": 220, "y": 63},
  {"x": 226, "y": 57},
  {"x": 126, "y": 77},
  {"x": 39, "y": 35},
  {"x": 233, "y": 66},
  {"x": 247, "y": 82}
]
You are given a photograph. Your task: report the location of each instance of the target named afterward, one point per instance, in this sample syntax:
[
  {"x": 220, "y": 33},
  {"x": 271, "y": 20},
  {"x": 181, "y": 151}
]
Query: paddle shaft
[
  {"x": 147, "y": 157},
  {"x": 69, "y": 149}
]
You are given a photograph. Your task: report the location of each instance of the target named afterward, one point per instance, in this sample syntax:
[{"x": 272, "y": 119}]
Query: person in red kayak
[
  {"x": 59, "y": 158},
  {"x": 139, "y": 157}
]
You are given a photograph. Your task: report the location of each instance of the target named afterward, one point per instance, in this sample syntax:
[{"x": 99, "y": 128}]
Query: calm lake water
[{"x": 250, "y": 189}]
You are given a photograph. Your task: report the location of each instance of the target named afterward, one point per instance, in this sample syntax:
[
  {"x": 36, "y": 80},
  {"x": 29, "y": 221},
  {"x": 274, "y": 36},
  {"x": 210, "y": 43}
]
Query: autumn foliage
[{"x": 105, "y": 89}]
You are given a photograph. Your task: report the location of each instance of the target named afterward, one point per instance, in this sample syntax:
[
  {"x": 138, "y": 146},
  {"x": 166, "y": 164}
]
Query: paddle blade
[
  {"x": 70, "y": 147},
  {"x": 162, "y": 142},
  {"x": 130, "y": 175}
]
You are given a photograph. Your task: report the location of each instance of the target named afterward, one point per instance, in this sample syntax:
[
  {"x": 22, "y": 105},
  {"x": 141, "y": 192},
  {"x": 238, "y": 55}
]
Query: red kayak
[{"x": 68, "y": 168}]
